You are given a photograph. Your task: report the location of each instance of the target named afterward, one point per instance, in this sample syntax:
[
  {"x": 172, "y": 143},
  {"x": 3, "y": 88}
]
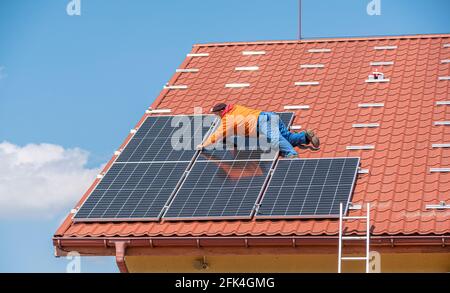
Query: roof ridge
[{"x": 323, "y": 40}]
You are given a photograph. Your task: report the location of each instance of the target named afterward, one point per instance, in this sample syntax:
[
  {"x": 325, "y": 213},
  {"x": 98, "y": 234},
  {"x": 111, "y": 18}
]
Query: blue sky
[{"x": 81, "y": 82}]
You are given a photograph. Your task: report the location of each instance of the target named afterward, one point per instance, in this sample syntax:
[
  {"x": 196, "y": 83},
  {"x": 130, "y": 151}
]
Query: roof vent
[
  {"x": 360, "y": 147},
  {"x": 237, "y": 85},
  {"x": 308, "y": 66},
  {"x": 247, "y": 68},
  {"x": 442, "y": 123},
  {"x": 371, "y": 105},
  {"x": 296, "y": 107},
  {"x": 175, "y": 87},
  {"x": 385, "y": 47},
  {"x": 377, "y": 76},
  {"x": 366, "y": 125},
  {"x": 187, "y": 70},
  {"x": 382, "y": 63},
  {"x": 252, "y": 53},
  {"x": 319, "y": 50},
  {"x": 197, "y": 55},
  {"x": 306, "y": 83},
  {"x": 441, "y": 206}
]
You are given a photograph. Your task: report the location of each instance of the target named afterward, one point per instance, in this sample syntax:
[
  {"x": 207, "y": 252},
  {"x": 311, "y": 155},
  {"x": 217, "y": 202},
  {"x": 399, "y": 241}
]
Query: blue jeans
[{"x": 280, "y": 137}]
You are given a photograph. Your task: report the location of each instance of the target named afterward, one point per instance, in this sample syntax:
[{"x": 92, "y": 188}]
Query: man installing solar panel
[{"x": 251, "y": 122}]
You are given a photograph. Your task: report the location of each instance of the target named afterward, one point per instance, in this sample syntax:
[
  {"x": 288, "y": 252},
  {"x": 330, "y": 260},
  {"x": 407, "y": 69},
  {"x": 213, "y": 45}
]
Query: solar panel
[
  {"x": 132, "y": 191},
  {"x": 245, "y": 148},
  {"x": 146, "y": 174},
  {"x": 219, "y": 189},
  {"x": 308, "y": 188},
  {"x": 167, "y": 138}
]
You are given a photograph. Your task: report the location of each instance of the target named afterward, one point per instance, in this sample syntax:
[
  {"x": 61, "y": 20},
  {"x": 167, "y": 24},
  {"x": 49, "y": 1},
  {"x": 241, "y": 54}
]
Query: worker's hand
[{"x": 200, "y": 147}]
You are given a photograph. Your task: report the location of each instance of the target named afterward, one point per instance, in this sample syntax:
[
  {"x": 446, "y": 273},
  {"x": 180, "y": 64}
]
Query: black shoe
[{"x": 312, "y": 138}]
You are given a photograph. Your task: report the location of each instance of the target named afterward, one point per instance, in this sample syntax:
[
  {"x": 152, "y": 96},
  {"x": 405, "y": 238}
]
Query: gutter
[{"x": 241, "y": 241}]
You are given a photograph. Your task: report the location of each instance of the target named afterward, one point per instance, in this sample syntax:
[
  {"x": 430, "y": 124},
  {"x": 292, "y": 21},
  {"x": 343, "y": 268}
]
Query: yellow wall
[{"x": 404, "y": 262}]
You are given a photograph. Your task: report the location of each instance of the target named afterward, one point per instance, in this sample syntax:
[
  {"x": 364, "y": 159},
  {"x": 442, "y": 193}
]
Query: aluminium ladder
[{"x": 343, "y": 238}]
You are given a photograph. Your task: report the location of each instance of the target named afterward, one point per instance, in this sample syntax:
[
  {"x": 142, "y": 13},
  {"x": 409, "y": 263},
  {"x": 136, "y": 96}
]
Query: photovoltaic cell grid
[
  {"x": 247, "y": 148},
  {"x": 308, "y": 188},
  {"x": 219, "y": 189},
  {"x": 132, "y": 191},
  {"x": 146, "y": 174},
  {"x": 167, "y": 138}
]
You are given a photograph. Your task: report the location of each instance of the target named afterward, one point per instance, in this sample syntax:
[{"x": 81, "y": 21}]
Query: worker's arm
[{"x": 223, "y": 130}]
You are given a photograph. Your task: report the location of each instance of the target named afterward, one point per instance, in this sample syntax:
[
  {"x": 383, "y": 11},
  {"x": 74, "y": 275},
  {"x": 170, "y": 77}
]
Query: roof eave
[{"x": 105, "y": 246}]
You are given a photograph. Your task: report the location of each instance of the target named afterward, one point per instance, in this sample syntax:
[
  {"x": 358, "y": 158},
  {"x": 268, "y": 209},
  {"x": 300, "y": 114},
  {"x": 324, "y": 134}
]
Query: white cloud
[{"x": 41, "y": 179}]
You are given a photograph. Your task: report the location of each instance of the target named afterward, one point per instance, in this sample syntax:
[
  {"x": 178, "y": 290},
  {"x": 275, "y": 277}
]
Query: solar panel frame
[
  {"x": 322, "y": 216},
  {"x": 188, "y": 164}
]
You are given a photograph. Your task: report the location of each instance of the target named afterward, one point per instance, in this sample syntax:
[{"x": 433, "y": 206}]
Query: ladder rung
[
  {"x": 354, "y": 258},
  {"x": 354, "y": 237},
  {"x": 355, "y": 218}
]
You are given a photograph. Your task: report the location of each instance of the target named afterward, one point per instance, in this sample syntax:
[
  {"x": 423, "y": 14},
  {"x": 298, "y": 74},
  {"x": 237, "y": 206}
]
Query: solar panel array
[
  {"x": 159, "y": 175},
  {"x": 309, "y": 188},
  {"x": 147, "y": 172}
]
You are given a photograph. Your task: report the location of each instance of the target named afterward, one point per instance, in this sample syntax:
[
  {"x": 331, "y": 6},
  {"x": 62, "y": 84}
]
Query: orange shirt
[{"x": 240, "y": 120}]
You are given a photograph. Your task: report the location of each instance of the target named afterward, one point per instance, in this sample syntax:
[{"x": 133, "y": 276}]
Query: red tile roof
[{"x": 399, "y": 184}]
